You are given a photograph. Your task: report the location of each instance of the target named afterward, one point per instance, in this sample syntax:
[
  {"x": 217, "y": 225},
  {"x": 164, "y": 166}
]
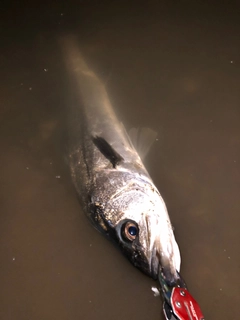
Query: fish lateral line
[{"x": 107, "y": 150}]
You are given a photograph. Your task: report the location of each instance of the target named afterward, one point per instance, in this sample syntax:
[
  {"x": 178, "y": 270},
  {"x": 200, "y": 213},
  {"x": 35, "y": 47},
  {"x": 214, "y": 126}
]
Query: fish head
[{"x": 143, "y": 231}]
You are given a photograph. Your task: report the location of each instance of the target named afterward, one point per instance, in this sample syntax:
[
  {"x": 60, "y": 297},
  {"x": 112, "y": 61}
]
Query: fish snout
[{"x": 168, "y": 265}]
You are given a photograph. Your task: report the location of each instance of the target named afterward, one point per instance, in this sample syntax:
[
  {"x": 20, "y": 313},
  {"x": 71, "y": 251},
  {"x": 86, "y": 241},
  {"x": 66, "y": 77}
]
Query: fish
[{"x": 114, "y": 187}]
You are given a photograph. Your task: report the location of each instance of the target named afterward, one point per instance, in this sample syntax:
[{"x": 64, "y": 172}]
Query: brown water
[{"x": 174, "y": 68}]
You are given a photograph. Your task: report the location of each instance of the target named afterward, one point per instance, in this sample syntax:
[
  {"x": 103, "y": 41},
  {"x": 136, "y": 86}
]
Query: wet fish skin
[{"x": 111, "y": 181}]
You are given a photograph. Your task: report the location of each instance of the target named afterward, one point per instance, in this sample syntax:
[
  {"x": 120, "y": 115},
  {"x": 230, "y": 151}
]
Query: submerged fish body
[{"x": 114, "y": 187}]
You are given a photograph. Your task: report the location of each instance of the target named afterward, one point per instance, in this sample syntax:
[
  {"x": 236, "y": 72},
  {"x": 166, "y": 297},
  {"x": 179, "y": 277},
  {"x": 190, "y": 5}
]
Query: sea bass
[{"x": 111, "y": 181}]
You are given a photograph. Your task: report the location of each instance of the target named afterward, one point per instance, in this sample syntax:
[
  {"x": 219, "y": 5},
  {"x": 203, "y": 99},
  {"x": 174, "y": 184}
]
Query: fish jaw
[{"x": 164, "y": 254}]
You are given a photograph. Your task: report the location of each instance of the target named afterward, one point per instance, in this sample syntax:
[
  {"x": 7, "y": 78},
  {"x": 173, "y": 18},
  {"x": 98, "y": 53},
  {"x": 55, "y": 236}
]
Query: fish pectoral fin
[
  {"x": 107, "y": 150},
  {"x": 142, "y": 140}
]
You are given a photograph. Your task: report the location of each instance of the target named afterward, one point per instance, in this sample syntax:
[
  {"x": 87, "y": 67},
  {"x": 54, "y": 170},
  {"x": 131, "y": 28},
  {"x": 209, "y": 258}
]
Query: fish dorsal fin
[
  {"x": 107, "y": 150},
  {"x": 142, "y": 140},
  {"x": 125, "y": 133}
]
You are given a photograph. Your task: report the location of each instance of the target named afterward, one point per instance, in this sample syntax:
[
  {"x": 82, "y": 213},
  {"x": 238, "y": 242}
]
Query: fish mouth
[
  {"x": 163, "y": 265},
  {"x": 155, "y": 264}
]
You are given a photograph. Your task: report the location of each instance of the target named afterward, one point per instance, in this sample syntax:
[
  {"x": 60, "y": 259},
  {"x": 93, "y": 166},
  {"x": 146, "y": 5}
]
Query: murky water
[{"x": 172, "y": 68}]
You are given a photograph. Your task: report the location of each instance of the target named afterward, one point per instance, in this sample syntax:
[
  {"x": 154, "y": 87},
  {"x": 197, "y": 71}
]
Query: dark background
[{"x": 169, "y": 65}]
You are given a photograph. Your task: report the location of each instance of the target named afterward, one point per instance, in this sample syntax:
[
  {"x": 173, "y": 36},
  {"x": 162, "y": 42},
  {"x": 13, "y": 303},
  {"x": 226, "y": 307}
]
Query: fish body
[{"x": 114, "y": 187}]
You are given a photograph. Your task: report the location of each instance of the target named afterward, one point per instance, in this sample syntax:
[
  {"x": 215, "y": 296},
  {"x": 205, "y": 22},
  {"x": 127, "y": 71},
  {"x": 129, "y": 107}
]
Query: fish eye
[{"x": 130, "y": 231}]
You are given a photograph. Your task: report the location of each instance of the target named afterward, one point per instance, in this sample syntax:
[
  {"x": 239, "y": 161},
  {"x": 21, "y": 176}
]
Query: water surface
[{"x": 174, "y": 68}]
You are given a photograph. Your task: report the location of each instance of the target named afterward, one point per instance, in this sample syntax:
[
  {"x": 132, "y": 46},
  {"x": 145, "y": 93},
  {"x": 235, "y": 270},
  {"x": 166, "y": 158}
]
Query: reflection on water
[{"x": 172, "y": 68}]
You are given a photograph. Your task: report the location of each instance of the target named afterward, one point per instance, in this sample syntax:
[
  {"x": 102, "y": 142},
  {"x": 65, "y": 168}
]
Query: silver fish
[{"x": 114, "y": 187}]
